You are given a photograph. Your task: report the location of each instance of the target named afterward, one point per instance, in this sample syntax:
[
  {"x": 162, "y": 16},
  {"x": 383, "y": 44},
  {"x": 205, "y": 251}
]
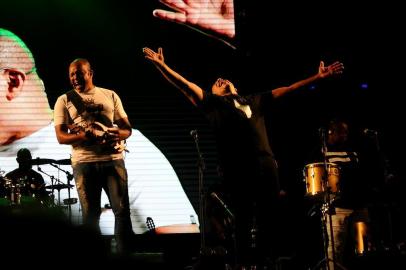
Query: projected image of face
[
  {"x": 26, "y": 121},
  {"x": 20, "y": 89}
]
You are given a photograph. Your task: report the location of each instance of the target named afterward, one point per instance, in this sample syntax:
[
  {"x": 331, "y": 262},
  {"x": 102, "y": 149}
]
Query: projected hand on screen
[{"x": 209, "y": 16}]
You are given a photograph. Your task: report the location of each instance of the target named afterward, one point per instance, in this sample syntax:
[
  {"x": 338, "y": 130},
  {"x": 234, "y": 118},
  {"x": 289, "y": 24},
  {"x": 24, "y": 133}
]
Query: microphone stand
[
  {"x": 384, "y": 175},
  {"x": 201, "y": 168},
  {"x": 204, "y": 251},
  {"x": 327, "y": 207},
  {"x": 231, "y": 219}
]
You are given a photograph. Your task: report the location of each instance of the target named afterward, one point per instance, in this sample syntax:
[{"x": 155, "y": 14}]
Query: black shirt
[{"x": 242, "y": 141}]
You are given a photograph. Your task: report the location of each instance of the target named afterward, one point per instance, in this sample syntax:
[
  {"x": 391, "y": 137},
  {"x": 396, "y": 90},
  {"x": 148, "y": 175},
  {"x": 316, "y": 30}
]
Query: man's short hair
[{"x": 24, "y": 153}]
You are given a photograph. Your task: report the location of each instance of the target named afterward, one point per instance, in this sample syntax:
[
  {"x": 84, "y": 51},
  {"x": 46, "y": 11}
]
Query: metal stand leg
[
  {"x": 327, "y": 212},
  {"x": 328, "y": 263}
]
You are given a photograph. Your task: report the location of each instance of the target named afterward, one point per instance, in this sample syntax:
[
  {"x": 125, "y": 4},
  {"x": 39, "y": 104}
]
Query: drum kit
[
  {"x": 21, "y": 192},
  {"x": 322, "y": 183}
]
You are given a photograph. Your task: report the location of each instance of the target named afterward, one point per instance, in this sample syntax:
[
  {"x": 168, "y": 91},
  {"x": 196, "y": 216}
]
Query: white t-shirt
[
  {"x": 154, "y": 188},
  {"x": 99, "y": 105}
]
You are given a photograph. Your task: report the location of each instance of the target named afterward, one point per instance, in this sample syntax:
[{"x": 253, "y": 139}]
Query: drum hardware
[
  {"x": 15, "y": 194},
  {"x": 70, "y": 201},
  {"x": 326, "y": 188},
  {"x": 52, "y": 186},
  {"x": 56, "y": 184},
  {"x": 20, "y": 192},
  {"x": 69, "y": 178},
  {"x": 12, "y": 189},
  {"x": 59, "y": 186}
]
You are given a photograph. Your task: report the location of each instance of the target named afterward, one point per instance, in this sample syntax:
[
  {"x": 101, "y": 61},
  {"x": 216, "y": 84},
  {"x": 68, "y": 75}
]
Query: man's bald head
[
  {"x": 81, "y": 74},
  {"x": 81, "y": 62}
]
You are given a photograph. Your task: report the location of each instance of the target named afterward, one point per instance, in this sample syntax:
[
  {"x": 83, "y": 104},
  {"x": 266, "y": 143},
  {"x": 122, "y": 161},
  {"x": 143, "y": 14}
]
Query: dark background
[{"x": 277, "y": 44}]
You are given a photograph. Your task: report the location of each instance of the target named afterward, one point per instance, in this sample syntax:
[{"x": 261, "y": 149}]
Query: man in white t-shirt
[{"x": 97, "y": 159}]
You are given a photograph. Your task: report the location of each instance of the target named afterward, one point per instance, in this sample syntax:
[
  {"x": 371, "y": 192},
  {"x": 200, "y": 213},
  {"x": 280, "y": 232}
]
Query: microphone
[
  {"x": 193, "y": 133},
  {"x": 368, "y": 131},
  {"x": 214, "y": 195}
]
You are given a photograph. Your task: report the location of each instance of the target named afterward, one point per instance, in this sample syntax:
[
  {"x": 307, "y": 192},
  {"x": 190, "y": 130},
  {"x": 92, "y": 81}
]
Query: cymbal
[
  {"x": 63, "y": 161},
  {"x": 42, "y": 161},
  {"x": 59, "y": 186}
]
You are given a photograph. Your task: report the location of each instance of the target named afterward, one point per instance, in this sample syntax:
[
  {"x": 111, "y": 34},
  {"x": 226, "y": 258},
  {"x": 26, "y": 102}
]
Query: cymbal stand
[
  {"x": 52, "y": 184},
  {"x": 69, "y": 178}
]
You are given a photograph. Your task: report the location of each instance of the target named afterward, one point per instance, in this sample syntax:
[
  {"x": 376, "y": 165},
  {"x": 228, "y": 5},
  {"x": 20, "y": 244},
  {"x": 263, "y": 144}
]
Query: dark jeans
[
  {"x": 255, "y": 203},
  {"x": 111, "y": 176}
]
